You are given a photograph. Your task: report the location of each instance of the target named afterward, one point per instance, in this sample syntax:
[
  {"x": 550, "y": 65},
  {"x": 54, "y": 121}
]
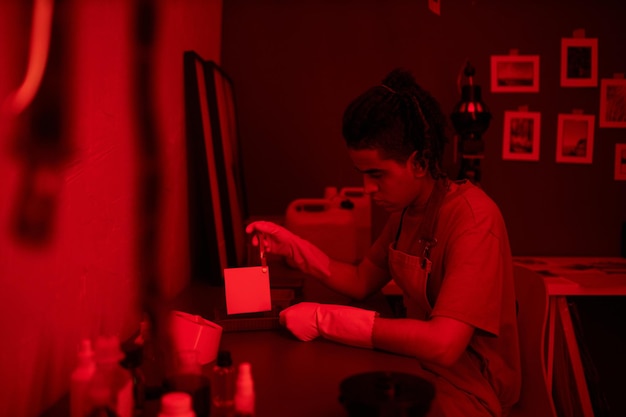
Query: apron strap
[
  {"x": 426, "y": 231},
  {"x": 395, "y": 242}
]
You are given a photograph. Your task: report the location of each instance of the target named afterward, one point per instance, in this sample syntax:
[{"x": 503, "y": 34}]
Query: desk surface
[
  {"x": 573, "y": 276},
  {"x": 294, "y": 378}
]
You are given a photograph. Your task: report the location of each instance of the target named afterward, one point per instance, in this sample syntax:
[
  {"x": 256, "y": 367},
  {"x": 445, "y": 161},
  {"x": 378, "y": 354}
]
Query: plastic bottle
[
  {"x": 152, "y": 363},
  {"x": 223, "y": 381},
  {"x": 111, "y": 388},
  {"x": 80, "y": 379},
  {"x": 176, "y": 404},
  {"x": 133, "y": 361},
  {"x": 244, "y": 394}
]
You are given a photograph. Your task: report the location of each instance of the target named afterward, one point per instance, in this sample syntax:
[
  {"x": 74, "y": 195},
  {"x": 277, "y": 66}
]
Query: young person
[{"x": 445, "y": 245}]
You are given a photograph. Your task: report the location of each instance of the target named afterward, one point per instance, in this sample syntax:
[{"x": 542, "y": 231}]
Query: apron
[
  {"x": 461, "y": 388},
  {"x": 411, "y": 272}
]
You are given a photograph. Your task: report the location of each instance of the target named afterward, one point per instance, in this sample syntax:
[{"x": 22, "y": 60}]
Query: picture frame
[
  {"x": 579, "y": 62},
  {"x": 515, "y": 73},
  {"x": 612, "y": 102},
  {"x": 620, "y": 161},
  {"x": 575, "y": 138},
  {"x": 521, "y": 139},
  {"x": 205, "y": 177},
  {"x": 228, "y": 148}
]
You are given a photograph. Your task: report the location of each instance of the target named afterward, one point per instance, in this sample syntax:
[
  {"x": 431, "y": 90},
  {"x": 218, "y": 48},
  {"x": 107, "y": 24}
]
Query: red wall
[
  {"x": 82, "y": 282},
  {"x": 296, "y": 65}
]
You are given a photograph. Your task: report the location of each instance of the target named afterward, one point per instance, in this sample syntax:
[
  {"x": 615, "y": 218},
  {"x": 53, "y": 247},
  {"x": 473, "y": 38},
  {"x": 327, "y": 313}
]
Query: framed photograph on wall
[
  {"x": 612, "y": 102},
  {"x": 620, "y": 161},
  {"x": 207, "y": 235},
  {"x": 515, "y": 73},
  {"x": 579, "y": 62},
  {"x": 521, "y": 135},
  {"x": 575, "y": 138}
]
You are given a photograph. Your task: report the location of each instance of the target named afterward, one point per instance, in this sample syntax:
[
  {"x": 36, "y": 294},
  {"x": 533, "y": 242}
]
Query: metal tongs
[{"x": 262, "y": 254}]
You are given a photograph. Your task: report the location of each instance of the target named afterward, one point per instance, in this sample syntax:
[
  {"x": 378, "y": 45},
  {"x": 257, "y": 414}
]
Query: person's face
[{"x": 393, "y": 185}]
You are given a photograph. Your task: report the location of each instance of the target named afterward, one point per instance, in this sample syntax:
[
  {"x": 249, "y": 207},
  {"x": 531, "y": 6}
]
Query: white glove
[
  {"x": 343, "y": 324},
  {"x": 303, "y": 254}
]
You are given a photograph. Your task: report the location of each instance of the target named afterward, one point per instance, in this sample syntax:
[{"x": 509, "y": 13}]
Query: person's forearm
[
  {"x": 345, "y": 279},
  {"x": 439, "y": 340}
]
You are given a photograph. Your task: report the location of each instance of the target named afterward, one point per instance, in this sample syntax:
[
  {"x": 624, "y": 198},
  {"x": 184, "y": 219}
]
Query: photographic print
[
  {"x": 620, "y": 161},
  {"x": 613, "y": 102},
  {"x": 579, "y": 62},
  {"x": 575, "y": 138},
  {"x": 515, "y": 73},
  {"x": 521, "y": 135}
]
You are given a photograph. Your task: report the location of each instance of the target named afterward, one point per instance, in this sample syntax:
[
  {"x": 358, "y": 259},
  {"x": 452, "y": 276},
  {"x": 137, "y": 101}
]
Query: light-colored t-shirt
[{"x": 471, "y": 281}]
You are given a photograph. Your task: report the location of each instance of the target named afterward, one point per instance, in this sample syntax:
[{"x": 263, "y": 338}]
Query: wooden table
[{"x": 574, "y": 276}]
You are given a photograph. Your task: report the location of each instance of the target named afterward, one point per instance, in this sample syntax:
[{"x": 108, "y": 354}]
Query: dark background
[{"x": 297, "y": 64}]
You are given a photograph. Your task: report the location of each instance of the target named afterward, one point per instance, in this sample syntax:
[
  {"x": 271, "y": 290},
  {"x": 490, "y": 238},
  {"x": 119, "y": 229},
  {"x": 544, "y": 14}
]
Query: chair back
[{"x": 532, "y": 312}]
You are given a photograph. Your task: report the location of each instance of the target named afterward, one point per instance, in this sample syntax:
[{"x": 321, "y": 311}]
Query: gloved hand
[
  {"x": 302, "y": 254},
  {"x": 343, "y": 324}
]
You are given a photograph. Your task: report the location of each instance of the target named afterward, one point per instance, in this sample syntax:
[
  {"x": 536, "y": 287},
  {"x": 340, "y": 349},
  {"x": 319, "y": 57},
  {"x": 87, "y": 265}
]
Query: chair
[{"x": 532, "y": 304}]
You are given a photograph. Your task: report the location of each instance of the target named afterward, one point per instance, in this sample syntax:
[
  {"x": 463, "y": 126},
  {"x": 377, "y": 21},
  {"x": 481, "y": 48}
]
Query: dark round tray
[{"x": 386, "y": 394}]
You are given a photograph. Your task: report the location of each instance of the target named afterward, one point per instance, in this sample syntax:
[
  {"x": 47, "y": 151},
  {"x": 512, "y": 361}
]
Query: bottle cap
[
  {"x": 244, "y": 395},
  {"x": 245, "y": 368},
  {"x": 245, "y": 383},
  {"x": 224, "y": 359},
  {"x": 176, "y": 404}
]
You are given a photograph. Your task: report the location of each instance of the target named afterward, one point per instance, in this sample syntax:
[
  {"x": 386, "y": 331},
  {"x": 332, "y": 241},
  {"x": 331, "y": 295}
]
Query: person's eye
[{"x": 375, "y": 175}]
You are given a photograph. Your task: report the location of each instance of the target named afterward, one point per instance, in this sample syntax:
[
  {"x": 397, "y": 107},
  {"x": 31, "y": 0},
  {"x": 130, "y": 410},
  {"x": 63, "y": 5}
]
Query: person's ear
[{"x": 418, "y": 164}]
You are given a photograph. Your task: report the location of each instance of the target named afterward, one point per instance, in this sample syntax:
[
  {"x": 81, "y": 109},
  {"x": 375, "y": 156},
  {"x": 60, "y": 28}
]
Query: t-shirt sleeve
[{"x": 472, "y": 287}]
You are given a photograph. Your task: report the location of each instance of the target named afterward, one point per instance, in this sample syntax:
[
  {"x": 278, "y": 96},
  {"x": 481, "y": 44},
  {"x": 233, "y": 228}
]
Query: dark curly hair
[{"x": 397, "y": 118}]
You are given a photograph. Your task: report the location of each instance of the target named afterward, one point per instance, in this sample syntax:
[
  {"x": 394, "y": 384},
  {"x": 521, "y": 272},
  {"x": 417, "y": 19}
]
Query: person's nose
[{"x": 369, "y": 185}]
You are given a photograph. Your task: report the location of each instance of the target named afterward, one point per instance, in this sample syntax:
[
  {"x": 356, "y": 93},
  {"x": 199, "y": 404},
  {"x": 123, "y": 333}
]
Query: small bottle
[
  {"x": 176, "y": 404},
  {"x": 80, "y": 379},
  {"x": 133, "y": 361},
  {"x": 111, "y": 388},
  {"x": 152, "y": 363},
  {"x": 244, "y": 394},
  {"x": 223, "y": 382}
]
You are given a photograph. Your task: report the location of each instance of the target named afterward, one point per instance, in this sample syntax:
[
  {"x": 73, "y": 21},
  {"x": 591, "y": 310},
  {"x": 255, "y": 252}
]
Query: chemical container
[
  {"x": 362, "y": 210},
  {"x": 337, "y": 224}
]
